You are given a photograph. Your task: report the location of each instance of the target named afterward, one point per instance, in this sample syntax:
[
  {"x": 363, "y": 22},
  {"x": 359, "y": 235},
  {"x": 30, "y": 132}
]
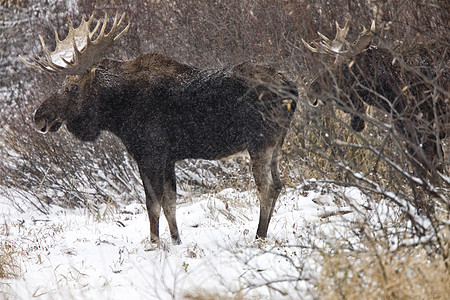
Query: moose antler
[
  {"x": 336, "y": 46},
  {"x": 77, "y": 52}
]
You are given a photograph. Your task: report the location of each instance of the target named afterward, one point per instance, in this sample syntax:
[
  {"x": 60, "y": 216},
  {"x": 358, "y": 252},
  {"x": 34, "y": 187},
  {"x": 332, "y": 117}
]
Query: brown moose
[
  {"x": 165, "y": 111},
  {"x": 411, "y": 88}
]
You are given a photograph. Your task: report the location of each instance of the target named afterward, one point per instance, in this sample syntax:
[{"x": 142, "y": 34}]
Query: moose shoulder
[{"x": 165, "y": 111}]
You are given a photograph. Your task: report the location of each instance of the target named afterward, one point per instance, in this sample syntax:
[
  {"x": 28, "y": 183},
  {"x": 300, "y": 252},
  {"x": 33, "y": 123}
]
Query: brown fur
[
  {"x": 404, "y": 90},
  {"x": 165, "y": 111}
]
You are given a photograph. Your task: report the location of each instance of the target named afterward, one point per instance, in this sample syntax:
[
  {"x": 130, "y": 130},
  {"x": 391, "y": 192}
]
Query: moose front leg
[{"x": 154, "y": 190}]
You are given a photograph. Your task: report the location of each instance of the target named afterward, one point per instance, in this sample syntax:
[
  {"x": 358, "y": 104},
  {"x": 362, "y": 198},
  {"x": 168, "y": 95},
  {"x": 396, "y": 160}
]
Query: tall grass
[
  {"x": 377, "y": 271},
  {"x": 9, "y": 265}
]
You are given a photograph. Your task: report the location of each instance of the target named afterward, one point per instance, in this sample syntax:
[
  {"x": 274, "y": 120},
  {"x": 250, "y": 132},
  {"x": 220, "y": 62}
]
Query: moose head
[
  {"x": 75, "y": 57},
  {"x": 165, "y": 111},
  {"x": 365, "y": 74}
]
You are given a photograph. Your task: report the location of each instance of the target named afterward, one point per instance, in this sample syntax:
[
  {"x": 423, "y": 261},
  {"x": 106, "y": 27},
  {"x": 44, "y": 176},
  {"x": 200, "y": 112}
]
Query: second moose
[{"x": 415, "y": 95}]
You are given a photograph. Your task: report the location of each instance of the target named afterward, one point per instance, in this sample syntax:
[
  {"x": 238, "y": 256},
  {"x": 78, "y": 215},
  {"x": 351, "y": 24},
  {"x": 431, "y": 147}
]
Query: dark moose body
[
  {"x": 403, "y": 86},
  {"x": 165, "y": 111}
]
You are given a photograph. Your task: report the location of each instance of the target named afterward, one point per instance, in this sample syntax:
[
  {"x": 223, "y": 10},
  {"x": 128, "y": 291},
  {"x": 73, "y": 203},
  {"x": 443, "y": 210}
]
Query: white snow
[{"x": 105, "y": 253}]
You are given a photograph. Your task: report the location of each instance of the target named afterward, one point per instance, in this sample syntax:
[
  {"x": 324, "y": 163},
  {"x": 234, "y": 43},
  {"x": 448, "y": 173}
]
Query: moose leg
[
  {"x": 274, "y": 166},
  {"x": 262, "y": 173},
  {"x": 169, "y": 203},
  {"x": 153, "y": 186},
  {"x": 421, "y": 147}
]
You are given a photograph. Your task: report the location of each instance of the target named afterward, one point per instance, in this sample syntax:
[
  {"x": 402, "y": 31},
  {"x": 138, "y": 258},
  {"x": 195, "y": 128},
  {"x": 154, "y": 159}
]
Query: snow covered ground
[{"x": 104, "y": 253}]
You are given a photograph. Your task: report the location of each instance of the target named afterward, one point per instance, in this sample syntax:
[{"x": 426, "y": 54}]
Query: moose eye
[{"x": 72, "y": 89}]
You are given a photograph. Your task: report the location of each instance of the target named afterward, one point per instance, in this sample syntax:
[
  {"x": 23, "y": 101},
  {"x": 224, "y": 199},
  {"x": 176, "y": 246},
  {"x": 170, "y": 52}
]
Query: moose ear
[
  {"x": 98, "y": 71},
  {"x": 95, "y": 73},
  {"x": 102, "y": 76},
  {"x": 101, "y": 67}
]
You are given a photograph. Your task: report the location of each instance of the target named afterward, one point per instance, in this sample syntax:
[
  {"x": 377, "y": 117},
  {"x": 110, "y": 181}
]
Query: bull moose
[
  {"x": 165, "y": 111},
  {"x": 411, "y": 86}
]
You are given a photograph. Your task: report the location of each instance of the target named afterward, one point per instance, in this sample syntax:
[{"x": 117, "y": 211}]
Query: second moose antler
[
  {"x": 340, "y": 46},
  {"x": 77, "y": 52}
]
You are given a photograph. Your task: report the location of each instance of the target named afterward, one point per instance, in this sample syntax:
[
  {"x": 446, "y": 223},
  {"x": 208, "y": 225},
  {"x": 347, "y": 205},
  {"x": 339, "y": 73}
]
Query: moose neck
[
  {"x": 131, "y": 93},
  {"x": 116, "y": 105}
]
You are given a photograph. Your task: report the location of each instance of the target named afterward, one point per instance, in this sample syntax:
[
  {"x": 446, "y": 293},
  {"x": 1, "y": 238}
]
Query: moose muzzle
[{"x": 43, "y": 125}]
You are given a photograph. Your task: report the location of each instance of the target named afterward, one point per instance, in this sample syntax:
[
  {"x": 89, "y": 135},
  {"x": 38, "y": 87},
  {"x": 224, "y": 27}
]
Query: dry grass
[
  {"x": 379, "y": 273},
  {"x": 327, "y": 140},
  {"x": 211, "y": 295},
  {"x": 11, "y": 3},
  {"x": 9, "y": 267}
]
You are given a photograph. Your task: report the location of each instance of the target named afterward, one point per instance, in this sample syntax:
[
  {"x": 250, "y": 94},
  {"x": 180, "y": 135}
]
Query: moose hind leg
[
  {"x": 275, "y": 170},
  {"x": 169, "y": 204},
  {"x": 262, "y": 173}
]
